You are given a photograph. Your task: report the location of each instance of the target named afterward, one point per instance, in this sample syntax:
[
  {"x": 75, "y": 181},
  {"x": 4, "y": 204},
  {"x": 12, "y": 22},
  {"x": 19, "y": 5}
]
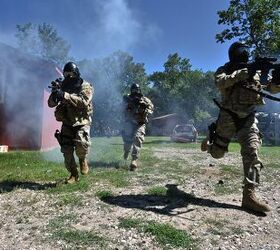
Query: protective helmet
[
  {"x": 238, "y": 52},
  {"x": 135, "y": 89},
  {"x": 71, "y": 70}
]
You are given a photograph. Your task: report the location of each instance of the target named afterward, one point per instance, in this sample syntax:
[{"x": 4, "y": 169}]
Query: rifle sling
[
  {"x": 262, "y": 94},
  {"x": 238, "y": 122}
]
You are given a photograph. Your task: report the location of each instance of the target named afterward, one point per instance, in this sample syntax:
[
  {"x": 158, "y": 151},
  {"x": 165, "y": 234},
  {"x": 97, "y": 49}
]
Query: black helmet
[
  {"x": 135, "y": 89},
  {"x": 238, "y": 52},
  {"x": 71, "y": 70}
]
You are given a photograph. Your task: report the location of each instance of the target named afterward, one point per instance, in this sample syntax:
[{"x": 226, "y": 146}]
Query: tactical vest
[
  {"x": 238, "y": 95},
  {"x": 138, "y": 109},
  {"x": 75, "y": 116}
]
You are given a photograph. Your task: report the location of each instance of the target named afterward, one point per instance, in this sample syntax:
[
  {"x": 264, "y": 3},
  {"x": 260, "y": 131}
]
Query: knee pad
[{"x": 252, "y": 175}]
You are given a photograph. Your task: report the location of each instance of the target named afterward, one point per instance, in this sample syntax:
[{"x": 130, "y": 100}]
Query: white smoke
[{"x": 115, "y": 26}]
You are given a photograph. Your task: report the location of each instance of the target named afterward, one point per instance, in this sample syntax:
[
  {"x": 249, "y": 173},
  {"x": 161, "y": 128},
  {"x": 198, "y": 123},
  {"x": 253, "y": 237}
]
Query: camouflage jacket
[
  {"x": 235, "y": 97},
  {"x": 137, "y": 109},
  {"x": 76, "y": 108}
]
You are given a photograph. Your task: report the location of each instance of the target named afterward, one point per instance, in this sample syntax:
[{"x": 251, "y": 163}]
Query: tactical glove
[{"x": 59, "y": 95}]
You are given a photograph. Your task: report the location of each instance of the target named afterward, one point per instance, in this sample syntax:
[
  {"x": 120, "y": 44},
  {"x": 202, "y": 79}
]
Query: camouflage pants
[
  {"x": 133, "y": 137},
  {"x": 74, "y": 139},
  {"x": 249, "y": 139}
]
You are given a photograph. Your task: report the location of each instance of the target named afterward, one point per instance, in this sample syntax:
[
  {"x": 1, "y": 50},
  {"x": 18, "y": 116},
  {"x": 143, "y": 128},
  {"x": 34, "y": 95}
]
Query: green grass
[
  {"x": 115, "y": 177},
  {"x": 28, "y": 166},
  {"x": 103, "y": 194},
  {"x": 165, "y": 234},
  {"x": 129, "y": 223},
  {"x": 157, "y": 191},
  {"x": 36, "y": 170},
  {"x": 82, "y": 186},
  {"x": 82, "y": 238},
  {"x": 60, "y": 229}
]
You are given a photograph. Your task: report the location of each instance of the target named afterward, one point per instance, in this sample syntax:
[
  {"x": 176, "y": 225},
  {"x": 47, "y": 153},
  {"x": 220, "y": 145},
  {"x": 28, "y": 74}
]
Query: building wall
[
  {"x": 49, "y": 126},
  {"x": 22, "y": 83}
]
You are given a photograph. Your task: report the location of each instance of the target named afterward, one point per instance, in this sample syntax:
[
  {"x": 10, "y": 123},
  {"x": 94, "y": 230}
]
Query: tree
[
  {"x": 167, "y": 84},
  {"x": 256, "y": 22},
  {"x": 179, "y": 89},
  {"x": 43, "y": 40}
]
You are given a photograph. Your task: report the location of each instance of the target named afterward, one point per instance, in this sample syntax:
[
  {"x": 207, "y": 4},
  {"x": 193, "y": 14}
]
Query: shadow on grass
[
  {"x": 173, "y": 199},
  {"x": 104, "y": 164},
  {"x": 8, "y": 186}
]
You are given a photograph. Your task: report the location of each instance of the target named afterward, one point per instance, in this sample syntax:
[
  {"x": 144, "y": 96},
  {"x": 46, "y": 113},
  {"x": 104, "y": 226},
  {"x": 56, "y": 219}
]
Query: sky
[{"x": 149, "y": 30}]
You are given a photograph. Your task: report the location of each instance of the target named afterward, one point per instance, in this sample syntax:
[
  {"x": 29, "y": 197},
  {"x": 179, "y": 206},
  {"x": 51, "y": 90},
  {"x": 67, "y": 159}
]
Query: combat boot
[
  {"x": 84, "y": 166},
  {"x": 133, "y": 165},
  {"x": 250, "y": 201},
  {"x": 74, "y": 177},
  {"x": 204, "y": 144}
]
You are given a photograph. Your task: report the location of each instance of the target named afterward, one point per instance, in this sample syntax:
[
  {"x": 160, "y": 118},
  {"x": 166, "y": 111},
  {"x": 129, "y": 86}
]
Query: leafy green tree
[
  {"x": 167, "y": 84},
  {"x": 43, "y": 40},
  {"x": 256, "y": 22},
  {"x": 179, "y": 89}
]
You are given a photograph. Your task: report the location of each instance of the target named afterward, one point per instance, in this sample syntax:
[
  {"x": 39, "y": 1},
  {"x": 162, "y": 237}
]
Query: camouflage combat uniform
[
  {"x": 237, "y": 118},
  {"x": 74, "y": 111},
  {"x": 136, "y": 111}
]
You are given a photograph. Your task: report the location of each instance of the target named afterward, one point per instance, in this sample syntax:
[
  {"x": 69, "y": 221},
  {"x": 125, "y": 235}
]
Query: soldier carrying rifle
[
  {"x": 72, "y": 99},
  {"x": 240, "y": 84},
  {"x": 136, "y": 109}
]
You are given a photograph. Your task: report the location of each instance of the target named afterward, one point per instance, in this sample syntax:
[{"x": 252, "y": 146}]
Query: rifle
[
  {"x": 263, "y": 64},
  {"x": 55, "y": 85},
  {"x": 134, "y": 103}
]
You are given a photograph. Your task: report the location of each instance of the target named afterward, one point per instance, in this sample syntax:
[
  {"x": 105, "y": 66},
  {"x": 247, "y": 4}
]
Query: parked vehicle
[{"x": 184, "y": 133}]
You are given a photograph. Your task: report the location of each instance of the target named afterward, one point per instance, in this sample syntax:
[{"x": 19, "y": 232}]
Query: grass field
[
  {"x": 162, "y": 162},
  {"x": 106, "y": 161}
]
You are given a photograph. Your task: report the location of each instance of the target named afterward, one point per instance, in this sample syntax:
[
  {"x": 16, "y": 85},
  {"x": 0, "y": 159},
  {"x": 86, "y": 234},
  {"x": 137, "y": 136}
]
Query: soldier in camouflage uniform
[
  {"x": 72, "y": 99},
  {"x": 136, "y": 109},
  {"x": 237, "y": 117}
]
